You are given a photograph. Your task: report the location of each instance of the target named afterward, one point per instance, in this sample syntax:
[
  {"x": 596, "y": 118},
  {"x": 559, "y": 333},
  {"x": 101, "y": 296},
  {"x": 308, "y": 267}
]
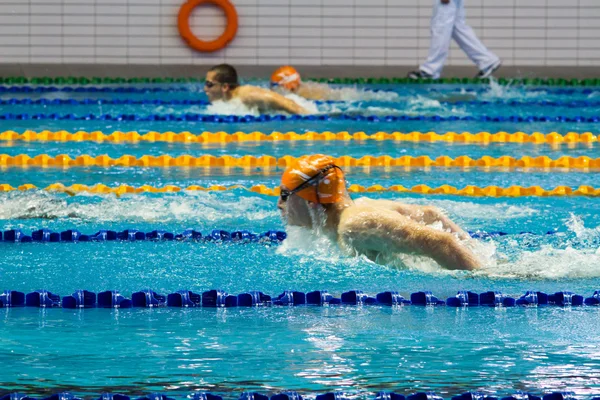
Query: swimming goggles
[
  {"x": 209, "y": 84},
  {"x": 285, "y": 194}
]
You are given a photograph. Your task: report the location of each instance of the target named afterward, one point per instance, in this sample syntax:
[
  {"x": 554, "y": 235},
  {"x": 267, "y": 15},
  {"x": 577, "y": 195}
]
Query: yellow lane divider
[
  {"x": 63, "y": 160},
  {"x": 488, "y": 191},
  {"x": 224, "y": 137}
]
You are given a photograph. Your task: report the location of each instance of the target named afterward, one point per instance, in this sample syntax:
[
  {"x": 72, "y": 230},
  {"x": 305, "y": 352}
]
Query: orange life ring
[{"x": 183, "y": 23}]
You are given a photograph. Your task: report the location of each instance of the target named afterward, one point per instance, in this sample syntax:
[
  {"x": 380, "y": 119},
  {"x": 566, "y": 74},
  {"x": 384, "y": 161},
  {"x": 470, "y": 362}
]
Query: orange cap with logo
[
  {"x": 327, "y": 184},
  {"x": 286, "y": 77}
]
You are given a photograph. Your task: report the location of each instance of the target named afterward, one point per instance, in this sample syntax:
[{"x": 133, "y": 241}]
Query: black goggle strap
[{"x": 287, "y": 193}]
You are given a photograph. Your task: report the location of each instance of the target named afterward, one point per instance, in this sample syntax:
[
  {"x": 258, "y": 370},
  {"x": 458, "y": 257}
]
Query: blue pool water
[{"x": 312, "y": 350}]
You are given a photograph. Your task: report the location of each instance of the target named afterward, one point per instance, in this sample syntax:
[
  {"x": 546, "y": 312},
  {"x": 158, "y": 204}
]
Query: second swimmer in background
[
  {"x": 222, "y": 84},
  {"x": 287, "y": 80}
]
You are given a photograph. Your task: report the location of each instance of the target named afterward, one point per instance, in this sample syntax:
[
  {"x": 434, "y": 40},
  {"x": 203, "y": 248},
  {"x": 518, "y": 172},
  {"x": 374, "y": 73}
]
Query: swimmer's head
[
  {"x": 286, "y": 77},
  {"x": 314, "y": 178},
  {"x": 220, "y": 81}
]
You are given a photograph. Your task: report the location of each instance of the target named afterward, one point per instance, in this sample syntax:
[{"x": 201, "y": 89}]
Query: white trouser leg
[
  {"x": 442, "y": 26},
  {"x": 469, "y": 42}
]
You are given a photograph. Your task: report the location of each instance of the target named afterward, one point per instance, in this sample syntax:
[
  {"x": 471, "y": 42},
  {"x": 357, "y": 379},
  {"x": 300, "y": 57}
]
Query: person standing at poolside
[
  {"x": 222, "y": 84},
  {"x": 313, "y": 195},
  {"x": 448, "y": 22}
]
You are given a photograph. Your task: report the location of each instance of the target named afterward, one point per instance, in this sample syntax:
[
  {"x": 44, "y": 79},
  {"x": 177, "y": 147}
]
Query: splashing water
[
  {"x": 575, "y": 254},
  {"x": 497, "y": 92},
  {"x": 571, "y": 254},
  {"x": 232, "y": 107},
  {"x": 189, "y": 207}
]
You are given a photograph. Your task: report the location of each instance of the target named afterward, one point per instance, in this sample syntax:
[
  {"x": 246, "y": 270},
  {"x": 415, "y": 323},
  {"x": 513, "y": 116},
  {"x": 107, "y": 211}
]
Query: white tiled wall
[{"x": 300, "y": 32}]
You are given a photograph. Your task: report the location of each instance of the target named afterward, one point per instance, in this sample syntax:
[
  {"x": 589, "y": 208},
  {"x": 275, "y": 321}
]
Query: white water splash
[
  {"x": 193, "y": 207},
  {"x": 497, "y": 92},
  {"x": 577, "y": 257},
  {"x": 232, "y": 107},
  {"x": 477, "y": 211},
  {"x": 310, "y": 245}
]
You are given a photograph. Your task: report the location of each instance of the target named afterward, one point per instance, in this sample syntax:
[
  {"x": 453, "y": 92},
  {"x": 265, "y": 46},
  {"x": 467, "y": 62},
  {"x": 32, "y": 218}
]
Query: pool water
[{"x": 360, "y": 350}]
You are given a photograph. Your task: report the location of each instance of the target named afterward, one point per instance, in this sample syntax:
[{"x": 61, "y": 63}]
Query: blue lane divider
[
  {"x": 132, "y": 235},
  {"x": 517, "y": 103},
  {"x": 122, "y": 89},
  {"x": 217, "y": 235},
  {"x": 197, "y": 88},
  {"x": 190, "y": 102},
  {"x": 91, "y": 102},
  {"x": 217, "y": 298},
  {"x": 525, "y": 89},
  {"x": 93, "y": 89},
  {"x": 192, "y": 117},
  {"x": 291, "y": 395}
]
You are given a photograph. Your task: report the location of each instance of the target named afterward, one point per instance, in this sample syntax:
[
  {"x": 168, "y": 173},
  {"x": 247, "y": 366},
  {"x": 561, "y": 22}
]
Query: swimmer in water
[
  {"x": 287, "y": 80},
  {"x": 313, "y": 195},
  {"x": 222, "y": 84}
]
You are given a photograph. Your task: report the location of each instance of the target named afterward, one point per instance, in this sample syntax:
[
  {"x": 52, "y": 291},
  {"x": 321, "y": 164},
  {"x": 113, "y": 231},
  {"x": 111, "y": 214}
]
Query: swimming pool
[{"x": 360, "y": 350}]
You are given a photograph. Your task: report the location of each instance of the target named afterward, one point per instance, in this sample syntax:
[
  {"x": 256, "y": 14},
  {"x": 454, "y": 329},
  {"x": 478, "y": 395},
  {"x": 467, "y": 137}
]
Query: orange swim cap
[
  {"x": 326, "y": 184},
  {"x": 286, "y": 77}
]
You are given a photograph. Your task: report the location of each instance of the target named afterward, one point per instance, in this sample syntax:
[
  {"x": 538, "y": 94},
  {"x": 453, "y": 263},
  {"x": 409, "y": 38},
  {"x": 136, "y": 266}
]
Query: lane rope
[
  {"x": 210, "y": 161},
  {"x": 216, "y": 235},
  {"x": 224, "y": 137},
  {"x": 217, "y": 298},
  {"x": 470, "y": 190},
  {"x": 87, "y": 102},
  {"x": 194, "y": 117}
]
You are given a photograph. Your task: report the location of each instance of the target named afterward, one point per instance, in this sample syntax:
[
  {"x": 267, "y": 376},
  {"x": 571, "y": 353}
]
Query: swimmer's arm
[
  {"x": 424, "y": 214},
  {"x": 429, "y": 215},
  {"x": 382, "y": 232},
  {"x": 274, "y": 101},
  {"x": 312, "y": 92}
]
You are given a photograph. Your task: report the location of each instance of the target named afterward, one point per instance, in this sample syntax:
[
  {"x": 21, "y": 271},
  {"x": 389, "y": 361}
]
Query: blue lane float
[
  {"x": 184, "y": 298},
  {"x": 516, "y": 103},
  {"x": 113, "y": 299},
  {"x": 195, "y": 88},
  {"x": 91, "y": 89},
  {"x": 80, "y": 299},
  {"x": 12, "y": 298},
  {"x": 193, "y": 117},
  {"x": 122, "y": 102},
  {"x": 113, "y": 396},
  {"x": 43, "y": 299},
  {"x": 217, "y": 298},
  {"x": 122, "y": 89},
  {"x": 291, "y": 395},
  {"x": 133, "y": 235},
  {"x": 474, "y": 396},
  {"x": 216, "y": 235},
  {"x": 389, "y": 396}
]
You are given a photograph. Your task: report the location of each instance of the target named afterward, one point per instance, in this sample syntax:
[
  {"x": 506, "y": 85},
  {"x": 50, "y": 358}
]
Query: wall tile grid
[{"x": 299, "y": 32}]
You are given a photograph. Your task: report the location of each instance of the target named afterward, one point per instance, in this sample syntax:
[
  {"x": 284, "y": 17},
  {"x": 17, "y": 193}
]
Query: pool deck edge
[{"x": 264, "y": 71}]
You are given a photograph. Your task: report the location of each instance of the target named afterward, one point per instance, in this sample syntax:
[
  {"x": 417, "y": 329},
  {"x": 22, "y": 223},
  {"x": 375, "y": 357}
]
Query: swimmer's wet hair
[{"x": 225, "y": 73}]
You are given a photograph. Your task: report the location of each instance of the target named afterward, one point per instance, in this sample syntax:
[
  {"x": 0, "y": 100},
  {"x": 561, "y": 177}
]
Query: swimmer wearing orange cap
[
  {"x": 370, "y": 227},
  {"x": 222, "y": 84},
  {"x": 287, "y": 79}
]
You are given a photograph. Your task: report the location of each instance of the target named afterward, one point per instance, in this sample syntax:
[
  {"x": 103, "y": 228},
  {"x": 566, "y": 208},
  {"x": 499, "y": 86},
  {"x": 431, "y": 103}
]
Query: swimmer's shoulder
[
  {"x": 366, "y": 229},
  {"x": 380, "y": 203},
  {"x": 312, "y": 91},
  {"x": 250, "y": 90},
  {"x": 257, "y": 94},
  {"x": 364, "y": 215}
]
